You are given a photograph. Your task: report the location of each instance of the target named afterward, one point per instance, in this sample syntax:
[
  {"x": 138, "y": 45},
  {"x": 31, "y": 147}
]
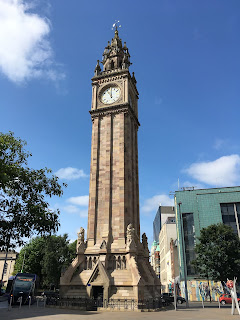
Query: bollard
[
  {"x": 10, "y": 304},
  {"x": 20, "y": 303},
  {"x": 44, "y": 301},
  {"x": 29, "y": 301},
  {"x": 37, "y": 301},
  {"x": 219, "y": 304}
]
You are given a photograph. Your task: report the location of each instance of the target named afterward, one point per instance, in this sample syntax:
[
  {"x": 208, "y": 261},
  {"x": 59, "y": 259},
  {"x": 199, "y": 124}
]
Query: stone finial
[
  {"x": 144, "y": 241},
  {"x": 133, "y": 78},
  {"x": 97, "y": 70}
]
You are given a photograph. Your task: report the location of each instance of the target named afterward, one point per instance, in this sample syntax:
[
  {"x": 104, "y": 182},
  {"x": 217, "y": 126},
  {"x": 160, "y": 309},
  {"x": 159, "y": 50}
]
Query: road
[{"x": 195, "y": 312}]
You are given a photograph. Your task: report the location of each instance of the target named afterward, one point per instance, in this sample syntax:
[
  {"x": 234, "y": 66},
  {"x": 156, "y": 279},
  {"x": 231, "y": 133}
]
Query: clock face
[{"x": 110, "y": 95}]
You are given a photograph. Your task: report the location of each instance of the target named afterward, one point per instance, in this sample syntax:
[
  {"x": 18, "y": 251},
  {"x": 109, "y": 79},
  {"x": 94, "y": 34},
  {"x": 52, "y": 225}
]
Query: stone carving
[
  {"x": 130, "y": 233},
  {"x": 81, "y": 235},
  {"x": 80, "y": 241},
  {"x": 131, "y": 236}
]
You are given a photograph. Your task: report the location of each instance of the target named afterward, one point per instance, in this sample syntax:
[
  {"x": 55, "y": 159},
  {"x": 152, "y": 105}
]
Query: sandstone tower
[{"x": 113, "y": 263}]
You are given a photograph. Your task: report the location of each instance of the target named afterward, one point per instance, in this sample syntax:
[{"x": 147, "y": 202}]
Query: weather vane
[{"x": 116, "y": 25}]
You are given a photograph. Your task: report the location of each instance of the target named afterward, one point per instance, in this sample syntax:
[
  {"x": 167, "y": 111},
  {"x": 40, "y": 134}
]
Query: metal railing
[{"x": 113, "y": 304}]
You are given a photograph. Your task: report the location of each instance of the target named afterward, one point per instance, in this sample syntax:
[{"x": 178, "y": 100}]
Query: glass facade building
[
  {"x": 157, "y": 225},
  {"x": 197, "y": 209}
]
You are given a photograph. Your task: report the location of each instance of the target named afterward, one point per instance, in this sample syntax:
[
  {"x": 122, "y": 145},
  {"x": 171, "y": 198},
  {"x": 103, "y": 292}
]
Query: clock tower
[{"x": 113, "y": 262}]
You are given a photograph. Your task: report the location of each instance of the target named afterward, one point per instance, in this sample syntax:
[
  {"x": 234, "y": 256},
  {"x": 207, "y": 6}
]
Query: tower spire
[{"x": 115, "y": 55}]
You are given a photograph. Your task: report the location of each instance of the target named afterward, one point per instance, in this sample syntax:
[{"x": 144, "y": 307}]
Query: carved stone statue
[
  {"x": 81, "y": 235},
  {"x": 80, "y": 241},
  {"x": 131, "y": 238},
  {"x": 130, "y": 233}
]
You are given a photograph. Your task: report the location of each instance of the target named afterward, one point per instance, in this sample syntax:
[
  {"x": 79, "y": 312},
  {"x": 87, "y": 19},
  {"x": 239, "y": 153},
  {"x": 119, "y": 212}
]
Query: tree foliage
[
  {"x": 23, "y": 207},
  {"x": 218, "y": 253},
  {"x": 46, "y": 257}
]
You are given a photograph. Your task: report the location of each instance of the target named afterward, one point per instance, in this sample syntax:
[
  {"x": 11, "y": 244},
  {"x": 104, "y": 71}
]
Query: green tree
[
  {"x": 218, "y": 253},
  {"x": 72, "y": 248},
  {"x": 24, "y": 210},
  {"x": 46, "y": 257}
]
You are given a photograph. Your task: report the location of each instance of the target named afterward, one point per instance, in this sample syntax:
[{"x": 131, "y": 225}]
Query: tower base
[{"x": 105, "y": 274}]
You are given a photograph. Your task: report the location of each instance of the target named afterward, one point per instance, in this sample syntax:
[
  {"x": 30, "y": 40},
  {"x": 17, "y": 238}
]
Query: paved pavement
[{"x": 195, "y": 312}]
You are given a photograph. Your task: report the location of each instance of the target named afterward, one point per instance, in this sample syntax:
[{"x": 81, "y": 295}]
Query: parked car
[
  {"x": 2, "y": 291},
  {"x": 180, "y": 300},
  {"x": 226, "y": 298},
  {"x": 168, "y": 297}
]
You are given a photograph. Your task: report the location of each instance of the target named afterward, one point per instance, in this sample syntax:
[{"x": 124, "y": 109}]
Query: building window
[
  {"x": 231, "y": 215},
  {"x": 189, "y": 239}
]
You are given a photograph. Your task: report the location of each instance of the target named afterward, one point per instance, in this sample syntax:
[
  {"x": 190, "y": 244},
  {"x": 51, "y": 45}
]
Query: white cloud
[
  {"x": 219, "y": 144},
  {"x": 75, "y": 210},
  {"x": 70, "y": 173},
  {"x": 70, "y": 209},
  {"x": 25, "y": 50},
  {"x": 158, "y": 100},
  {"x": 79, "y": 201},
  {"x": 224, "y": 171},
  {"x": 153, "y": 203}
]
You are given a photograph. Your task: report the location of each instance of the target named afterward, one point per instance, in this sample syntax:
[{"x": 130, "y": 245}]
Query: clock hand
[{"x": 111, "y": 92}]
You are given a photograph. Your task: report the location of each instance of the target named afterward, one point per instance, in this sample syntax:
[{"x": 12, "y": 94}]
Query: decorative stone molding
[{"x": 121, "y": 108}]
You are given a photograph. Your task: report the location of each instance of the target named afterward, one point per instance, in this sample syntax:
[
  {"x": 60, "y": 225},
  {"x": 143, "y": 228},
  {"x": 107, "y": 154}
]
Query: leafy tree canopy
[
  {"x": 23, "y": 207},
  {"x": 46, "y": 257},
  {"x": 218, "y": 253}
]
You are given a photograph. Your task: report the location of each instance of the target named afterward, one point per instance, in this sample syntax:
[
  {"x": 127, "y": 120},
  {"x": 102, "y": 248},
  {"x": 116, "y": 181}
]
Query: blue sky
[{"x": 185, "y": 56}]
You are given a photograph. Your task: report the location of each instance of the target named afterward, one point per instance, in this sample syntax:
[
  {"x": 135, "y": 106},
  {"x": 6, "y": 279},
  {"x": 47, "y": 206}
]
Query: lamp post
[{"x": 184, "y": 254}]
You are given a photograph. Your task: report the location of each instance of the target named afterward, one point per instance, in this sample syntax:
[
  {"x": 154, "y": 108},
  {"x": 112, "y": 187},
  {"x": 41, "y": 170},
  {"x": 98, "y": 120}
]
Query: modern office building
[
  {"x": 197, "y": 209},
  {"x": 162, "y": 214},
  {"x": 168, "y": 262}
]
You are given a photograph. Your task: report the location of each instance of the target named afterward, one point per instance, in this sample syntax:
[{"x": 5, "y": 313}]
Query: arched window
[
  {"x": 119, "y": 262},
  {"x": 85, "y": 264},
  {"x": 124, "y": 262},
  {"x": 94, "y": 261},
  {"x": 90, "y": 263},
  {"x": 112, "y": 65},
  {"x": 114, "y": 263}
]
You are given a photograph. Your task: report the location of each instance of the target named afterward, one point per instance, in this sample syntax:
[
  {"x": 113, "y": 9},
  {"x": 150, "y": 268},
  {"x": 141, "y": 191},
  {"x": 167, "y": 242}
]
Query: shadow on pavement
[
  {"x": 207, "y": 305},
  {"x": 25, "y": 312}
]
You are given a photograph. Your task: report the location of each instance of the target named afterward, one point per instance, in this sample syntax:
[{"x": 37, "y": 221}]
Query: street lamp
[{"x": 184, "y": 255}]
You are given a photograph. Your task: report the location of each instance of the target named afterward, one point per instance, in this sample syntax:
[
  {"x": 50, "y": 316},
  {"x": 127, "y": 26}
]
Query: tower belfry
[{"x": 113, "y": 262}]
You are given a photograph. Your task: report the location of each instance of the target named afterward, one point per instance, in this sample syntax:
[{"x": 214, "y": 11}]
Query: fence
[{"x": 113, "y": 304}]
